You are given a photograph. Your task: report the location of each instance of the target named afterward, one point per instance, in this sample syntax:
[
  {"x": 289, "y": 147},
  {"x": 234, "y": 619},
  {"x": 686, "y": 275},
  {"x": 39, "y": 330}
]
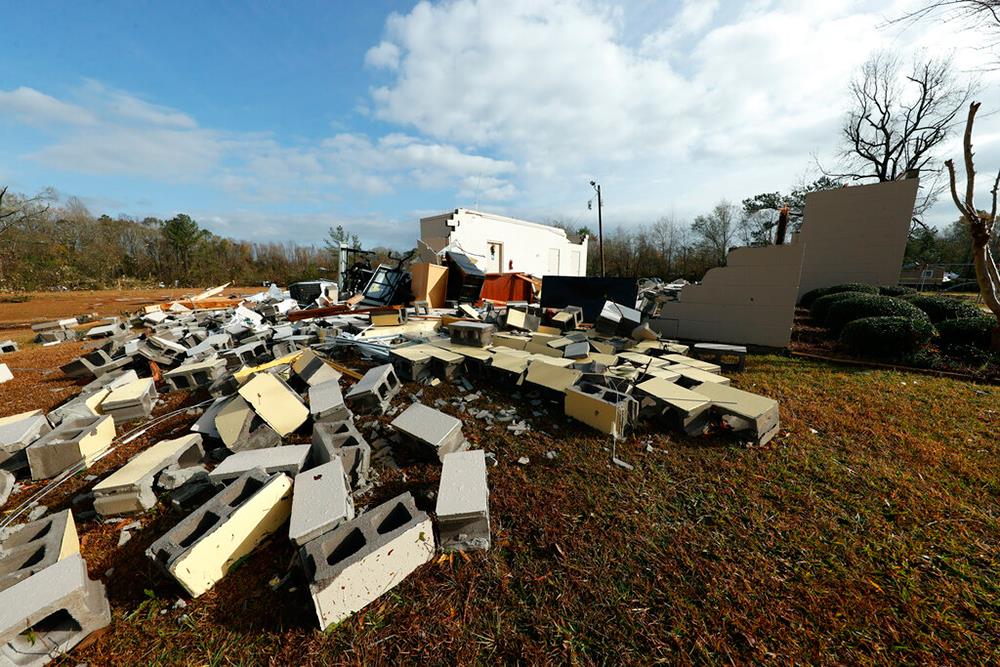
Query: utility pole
[{"x": 600, "y": 224}]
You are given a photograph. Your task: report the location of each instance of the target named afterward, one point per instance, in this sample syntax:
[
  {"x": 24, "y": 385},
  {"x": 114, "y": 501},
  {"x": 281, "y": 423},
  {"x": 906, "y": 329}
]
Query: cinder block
[
  {"x": 313, "y": 369},
  {"x": 49, "y": 613},
  {"x": 275, "y": 402},
  {"x": 411, "y": 362},
  {"x": 199, "y": 550},
  {"x": 72, "y": 442},
  {"x": 431, "y": 431},
  {"x": 604, "y": 409},
  {"x": 205, "y": 425},
  {"x": 475, "y": 334},
  {"x": 552, "y": 377},
  {"x": 288, "y": 459},
  {"x": 7, "y": 482},
  {"x": 132, "y": 401},
  {"x": 321, "y": 501},
  {"x": 326, "y": 402},
  {"x": 463, "y": 502},
  {"x": 362, "y": 559},
  {"x": 617, "y": 320},
  {"x": 35, "y": 546},
  {"x": 372, "y": 393},
  {"x": 8, "y": 346},
  {"x": 743, "y": 410},
  {"x": 518, "y": 319},
  {"x": 333, "y": 440},
  {"x": 20, "y": 430},
  {"x": 130, "y": 488},
  {"x": 195, "y": 374}
]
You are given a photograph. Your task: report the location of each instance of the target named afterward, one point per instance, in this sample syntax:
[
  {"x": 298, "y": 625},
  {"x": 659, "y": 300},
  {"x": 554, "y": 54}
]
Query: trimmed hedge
[
  {"x": 809, "y": 297},
  {"x": 976, "y": 331},
  {"x": 868, "y": 305},
  {"x": 941, "y": 308},
  {"x": 821, "y": 305},
  {"x": 896, "y": 290},
  {"x": 888, "y": 336}
]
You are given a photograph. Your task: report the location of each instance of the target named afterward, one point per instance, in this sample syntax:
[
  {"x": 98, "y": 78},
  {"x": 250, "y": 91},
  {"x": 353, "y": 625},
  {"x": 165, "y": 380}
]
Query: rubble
[
  {"x": 463, "y": 511},
  {"x": 431, "y": 432},
  {"x": 74, "y": 442},
  {"x": 321, "y": 501}
]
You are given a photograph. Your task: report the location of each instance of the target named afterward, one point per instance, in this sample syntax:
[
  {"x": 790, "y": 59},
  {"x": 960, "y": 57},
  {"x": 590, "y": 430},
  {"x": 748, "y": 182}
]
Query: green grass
[{"x": 866, "y": 532}]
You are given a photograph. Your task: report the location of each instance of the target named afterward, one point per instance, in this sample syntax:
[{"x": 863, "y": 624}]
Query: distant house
[
  {"x": 498, "y": 244},
  {"x": 922, "y": 275}
]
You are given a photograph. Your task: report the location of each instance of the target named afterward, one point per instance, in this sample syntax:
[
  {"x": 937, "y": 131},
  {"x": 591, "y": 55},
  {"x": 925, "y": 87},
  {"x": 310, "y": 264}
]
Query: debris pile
[{"x": 274, "y": 441}]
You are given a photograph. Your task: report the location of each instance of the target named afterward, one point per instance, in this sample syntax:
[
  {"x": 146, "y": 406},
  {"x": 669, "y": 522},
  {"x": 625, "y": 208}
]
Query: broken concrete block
[
  {"x": 288, "y": 459},
  {"x": 73, "y": 442},
  {"x": 691, "y": 377},
  {"x": 513, "y": 341},
  {"x": 617, "y": 320},
  {"x": 35, "y": 546},
  {"x": 275, "y": 402},
  {"x": 205, "y": 425},
  {"x": 313, "y": 369},
  {"x": 684, "y": 360},
  {"x": 601, "y": 408},
  {"x": 321, "y": 501},
  {"x": 8, "y": 346},
  {"x": 730, "y": 357},
  {"x": 475, "y": 334},
  {"x": 519, "y": 319},
  {"x": 552, "y": 377},
  {"x": 411, "y": 362},
  {"x": 195, "y": 374},
  {"x": 463, "y": 507},
  {"x": 743, "y": 410},
  {"x": 199, "y": 550},
  {"x": 49, "y": 613},
  {"x": 230, "y": 418},
  {"x": 5, "y": 374},
  {"x": 326, "y": 402},
  {"x": 132, "y": 401},
  {"x": 333, "y": 440},
  {"x": 174, "y": 478},
  {"x": 431, "y": 431},
  {"x": 7, "y": 482},
  {"x": 20, "y": 430},
  {"x": 130, "y": 488},
  {"x": 362, "y": 559},
  {"x": 372, "y": 393}
]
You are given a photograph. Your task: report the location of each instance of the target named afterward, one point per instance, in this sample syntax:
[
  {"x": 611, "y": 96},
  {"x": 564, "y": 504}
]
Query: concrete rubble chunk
[
  {"x": 372, "y": 393},
  {"x": 206, "y": 422},
  {"x": 8, "y": 346},
  {"x": 195, "y": 374},
  {"x": 601, "y": 408},
  {"x": 288, "y": 459},
  {"x": 20, "y": 430},
  {"x": 552, "y": 377},
  {"x": 7, "y": 482},
  {"x": 463, "y": 510},
  {"x": 313, "y": 369},
  {"x": 230, "y": 418},
  {"x": 130, "y": 488},
  {"x": 743, "y": 410},
  {"x": 617, "y": 320},
  {"x": 275, "y": 402},
  {"x": 172, "y": 478},
  {"x": 326, "y": 402},
  {"x": 36, "y": 545},
  {"x": 73, "y": 442},
  {"x": 321, "y": 501},
  {"x": 49, "y": 613},
  {"x": 354, "y": 564},
  {"x": 333, "y": 440},
  {"x": 431, "y": 431},
  {"x": 474, "y": 334},
  {"x": 199, "y": 551},
  {"x": 132, "y": 401}
]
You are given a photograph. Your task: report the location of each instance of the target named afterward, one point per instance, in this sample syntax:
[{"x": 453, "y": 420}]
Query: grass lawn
[{"x": 866, "y": 532}]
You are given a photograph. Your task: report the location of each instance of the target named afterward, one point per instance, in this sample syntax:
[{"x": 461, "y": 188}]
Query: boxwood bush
[
  {"x": 896, "y": 290},
  {"x": 964, "y": 331},
  {"x": 868, "y": 305},
  {"x": 941, "y": 308},
  {"x": 819, "y": 307},
  {"x": 809, "y": 297},
  {"x": 887, "y": 336}
]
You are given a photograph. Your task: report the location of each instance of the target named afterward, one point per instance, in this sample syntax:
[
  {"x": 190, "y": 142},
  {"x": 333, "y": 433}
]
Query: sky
[{"x": 272, "y": 121}]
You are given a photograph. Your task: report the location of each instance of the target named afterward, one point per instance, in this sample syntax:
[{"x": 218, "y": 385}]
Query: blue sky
[{"x": 274, "y": 121}]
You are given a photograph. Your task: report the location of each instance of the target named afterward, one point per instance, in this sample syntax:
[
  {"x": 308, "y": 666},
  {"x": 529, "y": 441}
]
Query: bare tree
[
  {"x": 898, "y": 119},
  {"x": 17, "y": 210},
  {"x": 982, "y": 226},
  {"x": 716, "y": 230}
]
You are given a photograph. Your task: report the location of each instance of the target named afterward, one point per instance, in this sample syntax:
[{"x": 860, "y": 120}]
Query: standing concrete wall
[
  {"x": 856, "y": 234},
  {"x": 750, "y": 301}
]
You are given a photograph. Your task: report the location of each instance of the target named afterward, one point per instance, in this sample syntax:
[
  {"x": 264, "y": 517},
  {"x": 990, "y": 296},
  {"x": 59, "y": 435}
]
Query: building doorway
[{"x": 494, "y": 257}]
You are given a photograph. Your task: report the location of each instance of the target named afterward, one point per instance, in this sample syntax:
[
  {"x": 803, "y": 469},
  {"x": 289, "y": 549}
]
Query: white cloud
[
  {"x": 385, "y": 55},
  {"x": 127, "y": 107},
  {"x": 36, "y": 108}
]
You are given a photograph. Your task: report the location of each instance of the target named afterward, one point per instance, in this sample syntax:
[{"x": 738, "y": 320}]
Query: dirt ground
[{"x": 865, "y": 533}]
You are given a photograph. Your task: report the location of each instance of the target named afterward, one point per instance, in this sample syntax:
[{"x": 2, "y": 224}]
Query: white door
[
  {"x": 494, "y": 257},
  {"x": 553, "y": 261},
  {"x": 574, "y": 262}
]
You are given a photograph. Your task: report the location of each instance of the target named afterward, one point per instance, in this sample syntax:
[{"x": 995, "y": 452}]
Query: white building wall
[{"x": 527, "y": 247}]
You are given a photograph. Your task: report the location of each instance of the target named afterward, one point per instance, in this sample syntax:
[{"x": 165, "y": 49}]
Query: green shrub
[
  {"x": 821, "y": 305},
  {"x": 975, "y": 331},
  {"x": 941, "y": 308},
  {"x": 868, "y": 305},
  {"x": 887, "y": 336},
  {"x": 809, "y": 297},
  {"x": 896, "y": 290}
]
